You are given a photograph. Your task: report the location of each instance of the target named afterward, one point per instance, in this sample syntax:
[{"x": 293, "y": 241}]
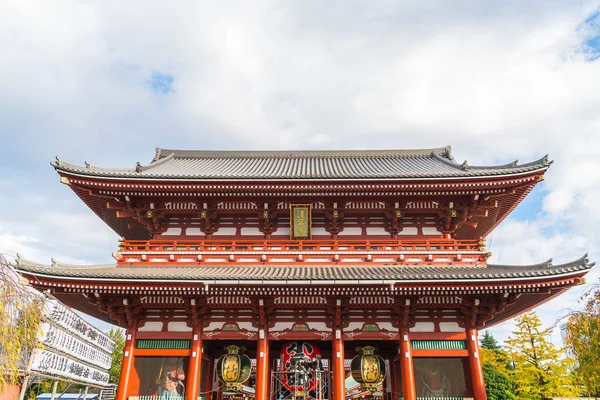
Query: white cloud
[
  {"x": 20, "y": 244},
  {"x": 497, "y": 81},
  {"x": 530, "y": 242},
  {"x": 43, "y": 228}
]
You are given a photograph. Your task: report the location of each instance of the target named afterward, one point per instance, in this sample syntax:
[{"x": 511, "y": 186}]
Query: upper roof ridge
[
  {"x": 60, "y": 164},
  {"x": 541, "y": 265},
  {"x": 437, "y": 163},
  {"x": 515, "y": 164},
  {"x": 61, "y": 265},
  {"x": 543, "y": 161},
  {"x": 163, "y": 153},
  {"x": 21, "y": 261},
  {"x": 583, "y": 260}
]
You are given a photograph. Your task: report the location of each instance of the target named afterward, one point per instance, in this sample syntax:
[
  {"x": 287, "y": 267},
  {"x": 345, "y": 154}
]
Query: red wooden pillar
[
  {"x": 339, "y": 369},
  {"x": 475, "y": 365},
  {"x": 406, "y": 366},
  {"x": 394, "y": 379},
  {"x": 262, "y": 366},
  {"x": 195, "y": 365},
  {"x": 208, "y": 381},
  {"x": 127, "y": 365}
]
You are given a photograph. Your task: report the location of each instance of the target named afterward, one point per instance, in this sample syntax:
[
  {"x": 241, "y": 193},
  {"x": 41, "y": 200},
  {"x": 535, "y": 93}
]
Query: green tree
[
  {"x": 495, "y": 361},
  {"x": 498, "y": 385},
  {"x": 540, "y": 369},
  {"x": 583, "y": 339},
  {"x": 492, "y": 353},
  {"x": 118, "y": 336},
  {"x": 20, "y": 314},
  {"x": 488, "y": 341}
]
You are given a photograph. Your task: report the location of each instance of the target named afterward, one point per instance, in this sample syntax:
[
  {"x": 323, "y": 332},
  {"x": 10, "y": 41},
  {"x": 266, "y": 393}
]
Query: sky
[{"x": 107, "y": 82}]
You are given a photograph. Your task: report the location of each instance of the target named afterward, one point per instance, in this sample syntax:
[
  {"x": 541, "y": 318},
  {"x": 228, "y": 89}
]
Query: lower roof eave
[
  {"x": 394, "y": 276},
  {"x": 512, "y": 312},
  {"x": 339, "y": 282}
]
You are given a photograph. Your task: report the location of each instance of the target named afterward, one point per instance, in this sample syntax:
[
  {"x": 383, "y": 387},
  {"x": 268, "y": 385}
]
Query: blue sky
[
  {"x": 161, "y": 83},
  {"x": 107, "y": 82},
  {"x": 591, "y": 28}
]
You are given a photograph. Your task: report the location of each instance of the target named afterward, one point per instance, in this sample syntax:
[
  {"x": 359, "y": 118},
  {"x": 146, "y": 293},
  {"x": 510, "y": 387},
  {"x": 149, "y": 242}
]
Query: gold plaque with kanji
[{"x": 300, "y": 221}]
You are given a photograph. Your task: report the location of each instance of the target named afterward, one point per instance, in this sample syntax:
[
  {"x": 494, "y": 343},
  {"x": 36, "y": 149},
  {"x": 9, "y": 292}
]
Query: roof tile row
[
  {"x": 385, "y": 164},
  {"x": 174, "y": 272}
]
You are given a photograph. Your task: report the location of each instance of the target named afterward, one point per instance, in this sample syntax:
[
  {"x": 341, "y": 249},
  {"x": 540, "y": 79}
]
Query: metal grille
[
  {"x": 109, "y": 392},
  {"x": 162, "y": 344},
  {"x": 438, "y": 345}
]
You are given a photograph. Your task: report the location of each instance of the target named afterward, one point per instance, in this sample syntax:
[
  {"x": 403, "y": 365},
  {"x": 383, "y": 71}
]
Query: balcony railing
[{"x": 289, "y": 251}]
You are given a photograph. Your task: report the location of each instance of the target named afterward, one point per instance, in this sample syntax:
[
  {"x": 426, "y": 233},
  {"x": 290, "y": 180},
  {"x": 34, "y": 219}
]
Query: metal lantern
[
  {"x": 368, "y": 368},
  {"x": 233, "y": 368}
]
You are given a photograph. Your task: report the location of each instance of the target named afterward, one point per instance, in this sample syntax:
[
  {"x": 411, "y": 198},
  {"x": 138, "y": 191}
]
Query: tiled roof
[
  {"x": 314, "y": 273},
  {"x": 365, "y": 164}
]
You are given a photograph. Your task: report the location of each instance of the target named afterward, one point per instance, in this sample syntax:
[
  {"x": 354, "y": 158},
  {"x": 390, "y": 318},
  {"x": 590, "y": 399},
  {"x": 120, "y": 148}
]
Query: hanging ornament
[
  {"x": 368, "y": 368},
  {"x": 233, "y": 368}
]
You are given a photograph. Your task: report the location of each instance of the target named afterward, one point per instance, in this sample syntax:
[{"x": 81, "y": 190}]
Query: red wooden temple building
[{"x": 322, "y": 250}]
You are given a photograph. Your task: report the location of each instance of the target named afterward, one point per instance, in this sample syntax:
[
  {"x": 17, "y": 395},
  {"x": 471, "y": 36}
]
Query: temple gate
[{"x": 263, "y": 274}]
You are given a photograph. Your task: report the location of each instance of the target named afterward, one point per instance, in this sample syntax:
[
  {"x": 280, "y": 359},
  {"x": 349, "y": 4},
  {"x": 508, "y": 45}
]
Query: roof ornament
[
  {"x": 515, "y": 163},
  {"x": 545, "y": 160},
  {"x": 138, "y": 167},
  {"x": 448, "y": 152},
  {"x": 87, "y": 164},
  {"x": 157, "y": 154},
  {"x": 57, "y": 160},
  {"x": 465, "y": 166}
]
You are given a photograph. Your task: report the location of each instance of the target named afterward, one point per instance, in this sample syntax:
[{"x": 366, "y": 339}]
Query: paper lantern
[
  {"x": 302, "y": 362},
  {"x": 368, "y": 368},
  {"x": 233, "y": 368}
]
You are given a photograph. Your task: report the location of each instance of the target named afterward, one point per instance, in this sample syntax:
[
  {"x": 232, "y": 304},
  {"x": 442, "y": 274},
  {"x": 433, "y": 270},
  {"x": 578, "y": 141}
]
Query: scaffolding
[{"x": 306, "y": 384}]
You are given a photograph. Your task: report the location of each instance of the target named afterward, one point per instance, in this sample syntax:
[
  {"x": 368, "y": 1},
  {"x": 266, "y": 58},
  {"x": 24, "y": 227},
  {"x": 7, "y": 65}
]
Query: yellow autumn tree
[
  {"x": 583, "y": 339},
  {"x": 20, "y": 313},
  {"x": 540, "y": 370}
]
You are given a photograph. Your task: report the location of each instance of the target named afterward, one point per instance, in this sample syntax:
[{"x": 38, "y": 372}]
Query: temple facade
[{"x": 294, "y": 260}]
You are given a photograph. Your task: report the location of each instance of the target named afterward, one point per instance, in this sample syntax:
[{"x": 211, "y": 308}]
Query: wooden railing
[{"x": 290, "y": 251}]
